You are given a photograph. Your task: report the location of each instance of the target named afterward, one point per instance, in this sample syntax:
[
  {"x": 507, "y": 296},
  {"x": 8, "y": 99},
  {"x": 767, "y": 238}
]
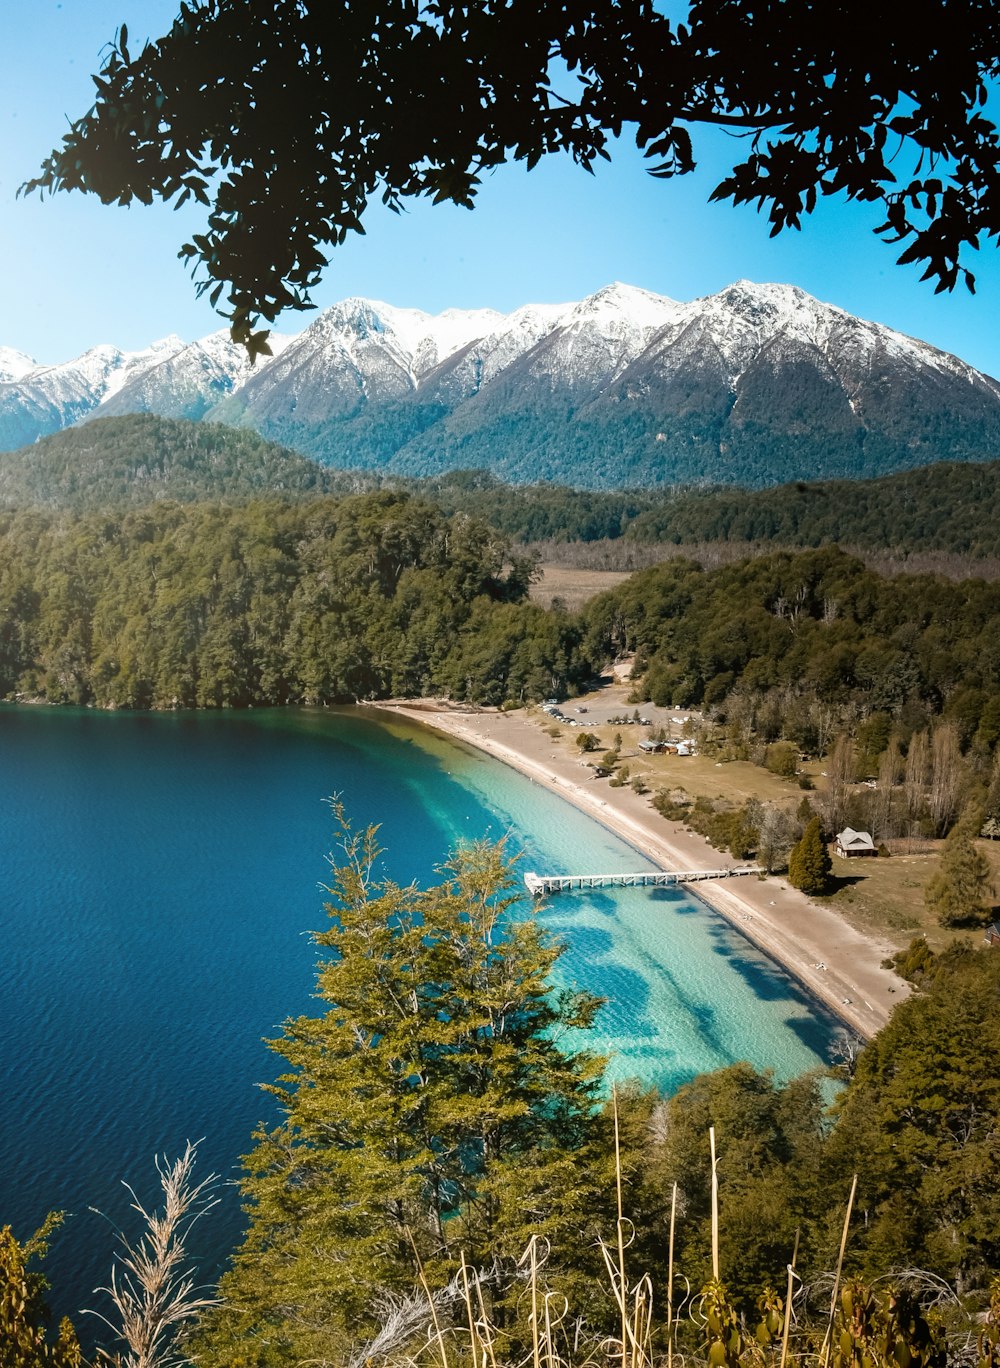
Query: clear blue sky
[{"x": 76, "y": 273}]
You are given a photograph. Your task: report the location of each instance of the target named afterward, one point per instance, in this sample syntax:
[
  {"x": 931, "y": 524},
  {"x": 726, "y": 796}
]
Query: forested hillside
[
  {"x": 815, "y": 623},
  {"x": 952, "y": 507},
  {"x": 272, "y": 602},
  {"x": 139, "y": 459}
]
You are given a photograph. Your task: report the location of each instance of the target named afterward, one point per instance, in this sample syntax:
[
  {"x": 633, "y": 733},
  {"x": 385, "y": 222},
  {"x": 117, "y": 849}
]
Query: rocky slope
[{"x": 757, "y": 384}]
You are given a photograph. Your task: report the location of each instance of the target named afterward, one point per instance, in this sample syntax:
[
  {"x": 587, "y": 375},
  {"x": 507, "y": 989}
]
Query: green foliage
[
  {"x": 957, "y": 890},
  {"x": 24, "y": 1338},
  {"x": 429, "y": 1115},
  {"x": 139, "y": 459},
  {"x": 809, "y": 864},
  {"x": 272, "y": 602},
  {"x": 736, "y": 829},
  {"x": 915, "y": 511},
  {"x": 797, "y": 634},
  {"x": 783, "y": 759},
  {"x": 918, "y": 1124},
  {"x": 989, "y": 1336},
  {"x": 769, "y": 1141},
  {"x": 915, "y": 963},
  {"x": 408, "y": 101},
  {"x": 886, "y": 1328}
]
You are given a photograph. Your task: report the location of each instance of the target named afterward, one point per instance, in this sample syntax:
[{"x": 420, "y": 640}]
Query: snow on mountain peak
[{"x": 14, "y": 364}]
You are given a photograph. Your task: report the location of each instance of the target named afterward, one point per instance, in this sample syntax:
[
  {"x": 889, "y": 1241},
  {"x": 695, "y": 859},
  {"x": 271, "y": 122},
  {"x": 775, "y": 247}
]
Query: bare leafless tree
[
  {"x": 839, "y": 777},
  {"x": 890, "y": 770},
  {"x": 917, "y": 774},
  {"x": 947, "y": 777},
  {"x": 776, "y": 837},
  {"x": 845, "y": 1050}
]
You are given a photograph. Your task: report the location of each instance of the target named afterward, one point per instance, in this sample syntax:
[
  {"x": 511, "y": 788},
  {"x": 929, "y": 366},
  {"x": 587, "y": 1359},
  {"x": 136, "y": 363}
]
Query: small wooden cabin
[{"x": 851, "y": 842}]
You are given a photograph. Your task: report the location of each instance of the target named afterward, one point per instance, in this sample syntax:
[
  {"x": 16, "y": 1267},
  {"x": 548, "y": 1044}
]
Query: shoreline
[{"x": 835, "y": 964}]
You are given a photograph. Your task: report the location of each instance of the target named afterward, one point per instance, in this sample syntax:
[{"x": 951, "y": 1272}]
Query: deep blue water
[{"x": 158, "y": 878}]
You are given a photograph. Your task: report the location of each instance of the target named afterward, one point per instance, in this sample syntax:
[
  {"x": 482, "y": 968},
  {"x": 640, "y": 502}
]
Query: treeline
[
  {"x": 141, "y": 458},
  {"x": 818, "y": 635},
  {"x": 271, "y": 602},
  {"x": 950, "y": 509}
]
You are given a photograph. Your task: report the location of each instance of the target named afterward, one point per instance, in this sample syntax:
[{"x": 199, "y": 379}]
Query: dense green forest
[
  {"x": 141, "y": 458},
  {"x": 448, "y": 1164},
  {"x": 202, "y": 605},
  {"x": 817, "y": 625},
  {"x": 947, "y": 507},
  {"x": 951, "y": 507}
]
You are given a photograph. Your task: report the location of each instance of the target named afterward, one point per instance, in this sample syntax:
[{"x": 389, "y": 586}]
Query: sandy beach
[{"x": 835, "y": 962}]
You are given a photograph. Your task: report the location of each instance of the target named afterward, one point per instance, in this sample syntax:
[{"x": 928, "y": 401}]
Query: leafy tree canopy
[
  {"x": 431, "y": 1115},
  {"x": 958, "y": 892},
  {"x": 285, "y": 119},
  {"x": 25, "y": 1338}
]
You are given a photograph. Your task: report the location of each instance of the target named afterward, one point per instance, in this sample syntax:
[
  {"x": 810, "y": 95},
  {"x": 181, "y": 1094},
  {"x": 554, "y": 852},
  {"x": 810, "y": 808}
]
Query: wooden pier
[{"x": 540, "y": 884}]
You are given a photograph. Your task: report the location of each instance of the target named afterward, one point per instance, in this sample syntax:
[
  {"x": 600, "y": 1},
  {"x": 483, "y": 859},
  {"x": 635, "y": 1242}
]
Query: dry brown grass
[
  {"x": 887, "y": 896},
  {"x": 574, "y": 587},
  {"x": 152, "y": 1288}
]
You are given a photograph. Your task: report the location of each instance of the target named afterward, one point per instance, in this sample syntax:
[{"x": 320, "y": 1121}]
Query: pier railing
[{"x": 540, "y": 884}]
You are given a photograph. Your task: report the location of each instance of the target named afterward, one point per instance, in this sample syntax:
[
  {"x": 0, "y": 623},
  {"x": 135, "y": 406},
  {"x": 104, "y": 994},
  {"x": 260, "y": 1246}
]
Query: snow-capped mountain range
[{"x": 755, "y": 384}]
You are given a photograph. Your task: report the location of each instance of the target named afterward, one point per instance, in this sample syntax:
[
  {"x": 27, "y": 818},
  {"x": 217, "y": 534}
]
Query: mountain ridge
[{"x": 753, "y": 385}]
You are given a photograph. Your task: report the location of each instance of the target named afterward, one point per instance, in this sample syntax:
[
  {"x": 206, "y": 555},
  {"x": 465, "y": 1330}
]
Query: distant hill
[
  {"x": 752, "y": 386},
  {"x": 952, "y": 507},
  {"x": 140, "y": 459}
]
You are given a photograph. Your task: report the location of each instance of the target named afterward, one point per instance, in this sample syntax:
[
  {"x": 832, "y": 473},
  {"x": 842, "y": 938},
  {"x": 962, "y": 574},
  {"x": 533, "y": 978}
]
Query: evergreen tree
[
  {"x": 809, "y": 864},
  {"x": 956, "y": 892},
  {"x": 24, "y": 1339},
  {"x": 429, "y": 1115},
  {"x": 918, "y": 1123}
]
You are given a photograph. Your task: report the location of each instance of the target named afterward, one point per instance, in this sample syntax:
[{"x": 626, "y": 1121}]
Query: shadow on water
[
  {"x": 676, "y": 900},
  {"x": 767, "y": 981},
  {"x": 592, "y": 899},
  {"x": 705, "y": 1015},
  {"x": 623, "y": 988},
  {"x": 814, "y": 1034},
  {"x": 814, "y": 1025}
]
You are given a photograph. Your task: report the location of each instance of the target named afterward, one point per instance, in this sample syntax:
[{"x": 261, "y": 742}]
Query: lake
[{"x": 159, "y": 875}]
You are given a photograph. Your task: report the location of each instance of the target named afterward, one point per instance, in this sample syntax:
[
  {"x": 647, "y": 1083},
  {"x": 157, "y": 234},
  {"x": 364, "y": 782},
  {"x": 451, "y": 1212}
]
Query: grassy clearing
[
  {"x": 574, "y": 587},
  {"x": 887, "y": 896},
  {"x": 882, "y": 897}
]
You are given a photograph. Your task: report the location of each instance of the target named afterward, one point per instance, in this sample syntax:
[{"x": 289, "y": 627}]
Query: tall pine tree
[
  {"x": 809, "y": 863},
  {"x": 431, "y": 1112},
  {"x": 958, "y": 892}
]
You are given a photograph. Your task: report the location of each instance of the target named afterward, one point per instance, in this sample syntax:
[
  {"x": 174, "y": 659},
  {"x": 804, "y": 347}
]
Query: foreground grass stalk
[
  {"x": 153, "y": 1294},
  {"x": 715, "y": 1206},
  {"x": 670, "y": 1278},
  {"x": 622, "y": 1299},
  {"x": 828, "y": 1339},
  {"x": 788, "y": 1303}
]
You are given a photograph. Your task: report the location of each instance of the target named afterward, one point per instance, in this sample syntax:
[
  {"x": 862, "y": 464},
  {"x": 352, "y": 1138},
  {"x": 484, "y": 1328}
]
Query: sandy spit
[{"x": 836, "y": 963}]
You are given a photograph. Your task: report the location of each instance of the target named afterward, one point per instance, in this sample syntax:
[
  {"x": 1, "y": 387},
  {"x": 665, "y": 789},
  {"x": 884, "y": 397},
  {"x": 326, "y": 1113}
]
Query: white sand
[{"x": 836, "y": 963}]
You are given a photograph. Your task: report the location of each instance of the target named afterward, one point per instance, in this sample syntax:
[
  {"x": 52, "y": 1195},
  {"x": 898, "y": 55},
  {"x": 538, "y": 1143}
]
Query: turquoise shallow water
[{"x": 157, "y": 877}]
